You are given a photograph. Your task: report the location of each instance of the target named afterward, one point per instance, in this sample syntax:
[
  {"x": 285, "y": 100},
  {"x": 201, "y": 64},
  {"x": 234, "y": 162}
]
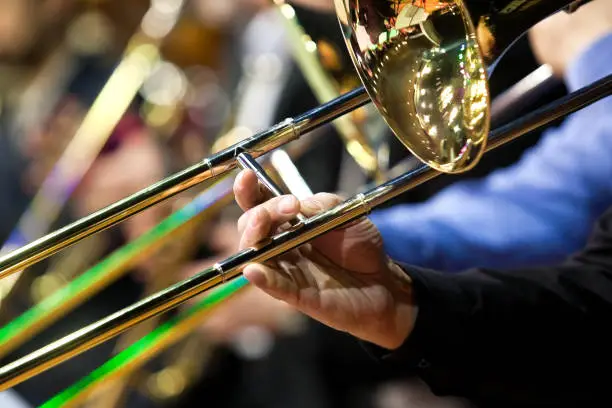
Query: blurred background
[{"x": 100, "y": 98}]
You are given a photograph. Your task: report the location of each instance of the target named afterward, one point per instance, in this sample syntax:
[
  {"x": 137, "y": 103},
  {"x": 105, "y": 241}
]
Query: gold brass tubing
[
  {"x": 114, "y": 272},
  {"x": 117, "y": 264},
  {"x": 187, "y": 325},
  {"x": 105, "y": 329},
  {"x": 140, "y": 56},
  {"x": 322, "y": 85},
  {"x": 96, "y": 333},
  {"x": 108, "y": 392},
  {"x": 114, "y": 391},
  {"x": 160, "y": 279},
  {"x": 208, "y": 168},
  {"x": 353, "y": 208},
  {"x": 67, "y": 267}
]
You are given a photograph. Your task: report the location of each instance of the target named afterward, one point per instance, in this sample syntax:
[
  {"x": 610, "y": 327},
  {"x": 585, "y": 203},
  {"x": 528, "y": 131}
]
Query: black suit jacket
[{"x": 529, "y": 337}]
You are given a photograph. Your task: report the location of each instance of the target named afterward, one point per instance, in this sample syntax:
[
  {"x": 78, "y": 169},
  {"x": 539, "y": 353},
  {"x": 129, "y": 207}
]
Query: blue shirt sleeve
[{"x": 533, "y": 213}]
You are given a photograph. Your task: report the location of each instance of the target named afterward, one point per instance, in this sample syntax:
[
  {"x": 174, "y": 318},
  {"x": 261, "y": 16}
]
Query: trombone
[
  {"x": 178, "y": 327},
  {"x": 227, "y": 273},
  {"x": 403, "y": 52}
]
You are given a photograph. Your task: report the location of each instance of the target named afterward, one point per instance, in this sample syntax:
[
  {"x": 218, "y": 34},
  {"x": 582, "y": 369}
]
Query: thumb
[{"x": 275, "y": 283}]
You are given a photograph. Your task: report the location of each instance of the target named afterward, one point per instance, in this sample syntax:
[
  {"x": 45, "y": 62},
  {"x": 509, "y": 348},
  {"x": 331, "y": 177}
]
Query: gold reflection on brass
[
  {"x": 486, "y": 39},
  {"x": 422, "y": 66}
]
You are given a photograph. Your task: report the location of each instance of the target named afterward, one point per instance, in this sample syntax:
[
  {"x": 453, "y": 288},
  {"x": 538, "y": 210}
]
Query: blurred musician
[
  {"x": 526, "y": 337},
  {"x": 48, "y": 84},
  {"x": 52, "y": 67}
]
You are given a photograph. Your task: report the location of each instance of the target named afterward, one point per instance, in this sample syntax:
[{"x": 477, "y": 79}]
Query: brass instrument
[
  {"x": 133, "y": 357},
  {"x": 110, "y": 385},
  {"x": 190, "y": 353},
  {"x": 180, "y": 326},
  {"x": 185, "y": 364},
  {"x": 424, "y": 66}
]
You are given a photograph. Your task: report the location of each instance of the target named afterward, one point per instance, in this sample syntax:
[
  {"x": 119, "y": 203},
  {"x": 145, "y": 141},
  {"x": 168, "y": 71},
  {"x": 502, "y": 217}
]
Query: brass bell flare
[{"x": 421, "y": 63}]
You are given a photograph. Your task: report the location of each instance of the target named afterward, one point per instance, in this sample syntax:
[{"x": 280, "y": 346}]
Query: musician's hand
[
  {"x": 343, "y": 279},
  {"x": 561, "y": 38}
]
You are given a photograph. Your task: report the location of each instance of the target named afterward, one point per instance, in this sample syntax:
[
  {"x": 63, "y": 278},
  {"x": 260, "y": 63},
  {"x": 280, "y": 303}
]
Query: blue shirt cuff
[{"x": 592, "y": 65}]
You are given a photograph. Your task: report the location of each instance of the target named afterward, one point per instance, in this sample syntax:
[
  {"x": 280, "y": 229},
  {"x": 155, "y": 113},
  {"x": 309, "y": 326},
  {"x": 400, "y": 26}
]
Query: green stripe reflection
[{"x": 140, "y": 351}]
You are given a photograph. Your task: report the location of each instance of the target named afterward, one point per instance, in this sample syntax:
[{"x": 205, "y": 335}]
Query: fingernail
[{"x": 288, "y": 204}]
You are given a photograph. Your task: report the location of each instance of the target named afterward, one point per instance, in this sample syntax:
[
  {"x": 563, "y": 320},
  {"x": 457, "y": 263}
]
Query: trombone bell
[
  {"x": 421, "y": 64},
  {"x": 424, "y": 64}
]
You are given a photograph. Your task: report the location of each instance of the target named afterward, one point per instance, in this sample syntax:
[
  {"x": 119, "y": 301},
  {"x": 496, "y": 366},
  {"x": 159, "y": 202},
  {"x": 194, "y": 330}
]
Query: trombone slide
[
  {"x": 211, "y": 167},
  {"x": 228, "y": 269}
]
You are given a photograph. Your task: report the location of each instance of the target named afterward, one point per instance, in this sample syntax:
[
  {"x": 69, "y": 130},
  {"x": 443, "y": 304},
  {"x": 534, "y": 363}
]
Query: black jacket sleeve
[{"x": 529, "y": 337}]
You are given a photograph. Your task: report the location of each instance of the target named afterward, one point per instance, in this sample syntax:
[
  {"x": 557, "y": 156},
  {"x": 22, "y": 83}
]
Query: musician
[
  {"x": 532, "y": 336},
  {"x": 540, "y": 209},
  {"x": 591, "y": 37},
  {"x": 46, "y": 87}
]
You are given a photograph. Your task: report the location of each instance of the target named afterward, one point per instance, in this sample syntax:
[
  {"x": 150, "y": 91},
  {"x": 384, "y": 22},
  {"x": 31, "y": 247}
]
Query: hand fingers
[
  {"x": 259, "y": 222},
  {"x": 319, "y": 203},
  {"x": 274, "y": 215},
  {"x": 263, "y": 219},
  {"x": 248, "y": 191}
]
